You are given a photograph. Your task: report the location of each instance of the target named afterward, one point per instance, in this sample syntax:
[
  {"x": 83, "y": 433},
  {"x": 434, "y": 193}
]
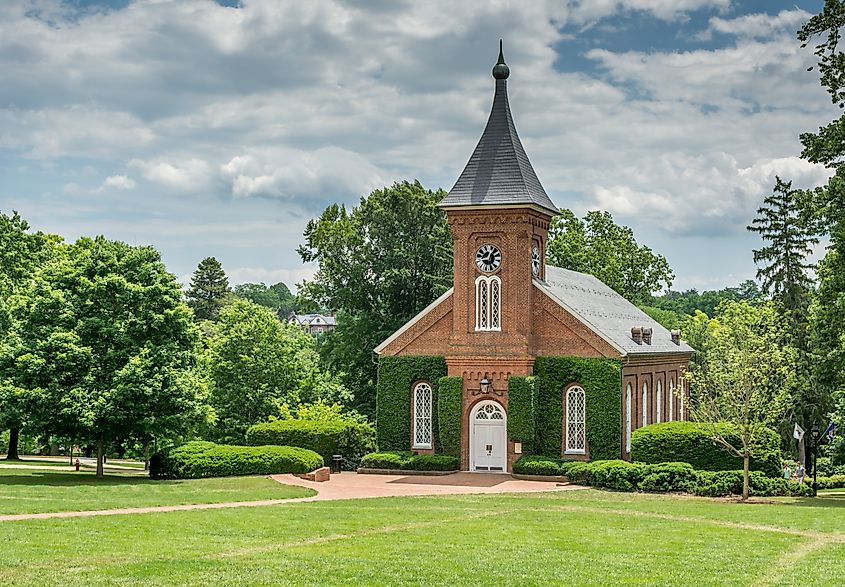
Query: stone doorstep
[
  {"x": 317, "y": 476},
  {"x": 368, "y": 471}
]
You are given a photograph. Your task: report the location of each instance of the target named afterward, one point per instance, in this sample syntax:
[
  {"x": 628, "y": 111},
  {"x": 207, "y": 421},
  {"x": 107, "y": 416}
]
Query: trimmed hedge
[
  {"x": 540, "y": 465},
  {"x": 207, "y": 459},
  {"x": 449, "y": 400},
  {"x": 408, "y": 461},
  {"x": 832, "y": 482},
  {"x": 602, "y": 383},
  {"x": 396, "y": 375},
  {"x": 522, "y": 400},
  {"x": 624, "y": 476},
  {"x": 690, "y": 442},
  {"x": 351, "y": 439}
]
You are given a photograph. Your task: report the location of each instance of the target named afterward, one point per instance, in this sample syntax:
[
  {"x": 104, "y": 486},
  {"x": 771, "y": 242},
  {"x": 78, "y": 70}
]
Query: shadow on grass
[
  {"x": 47, "y": 478},
  {"x": 822, "y": 501}
]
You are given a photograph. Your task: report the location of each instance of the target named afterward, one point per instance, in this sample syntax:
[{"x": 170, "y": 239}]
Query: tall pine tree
[{"x": 209, "y": 289}]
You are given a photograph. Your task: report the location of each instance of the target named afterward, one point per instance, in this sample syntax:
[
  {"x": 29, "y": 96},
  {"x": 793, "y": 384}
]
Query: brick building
[{"x": 511, "y": 318}]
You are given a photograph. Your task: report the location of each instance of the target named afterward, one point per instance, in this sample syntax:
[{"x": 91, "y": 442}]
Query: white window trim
[
  {"x": 671, "y": 400},
  {"x": 486, "y": 282},
  {"x": 628, "y": 420},
  {"x": 659, "y": 401},
  {"x": 645, "y": 404},
  {"x": 419, "y": 386},
  {"x": 570, "y": 391},
  {"x": 681, "y": 391}
]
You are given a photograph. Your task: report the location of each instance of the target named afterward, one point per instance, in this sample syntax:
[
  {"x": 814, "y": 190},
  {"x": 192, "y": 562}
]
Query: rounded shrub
[
  {"x": 691, "y": 442},
  {"x": 407, "y": 461},
  {"x": 325, "y": 437},
  {"x": 207, "y": 459},
  {"x": 540, "y": 465}
]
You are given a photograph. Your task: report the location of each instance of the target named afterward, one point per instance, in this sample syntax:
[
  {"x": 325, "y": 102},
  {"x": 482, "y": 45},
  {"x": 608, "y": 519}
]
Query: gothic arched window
[
  {"x": 645, "y": 404},
  {"x": 488, "y": 303},
  {"x": 422, "y": 400},
  {"x": 576, "y": 422},
  {"x": 628, "y": 419},
  {"x": 659, "y": 400}
]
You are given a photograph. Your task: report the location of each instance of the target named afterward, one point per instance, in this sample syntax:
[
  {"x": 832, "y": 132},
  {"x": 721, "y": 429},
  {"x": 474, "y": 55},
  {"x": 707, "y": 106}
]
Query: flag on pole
[
  {"x": 830, "y": 431},
  {"x": 798, "y": 433}
]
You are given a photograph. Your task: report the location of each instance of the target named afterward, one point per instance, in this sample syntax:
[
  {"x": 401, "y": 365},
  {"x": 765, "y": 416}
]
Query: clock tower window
[{"x": 488, "y": 303}]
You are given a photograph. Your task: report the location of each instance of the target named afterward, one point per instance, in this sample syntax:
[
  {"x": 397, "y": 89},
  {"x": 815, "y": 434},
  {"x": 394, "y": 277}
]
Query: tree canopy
[
  {"x": 277, "y": 297},
  {"x": 378, "y": 266},
  {"x": 209, "y": 289},
  {"x": 608, "y": 251}
]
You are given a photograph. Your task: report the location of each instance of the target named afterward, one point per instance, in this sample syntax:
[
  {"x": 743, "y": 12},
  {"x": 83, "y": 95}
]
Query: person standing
[
  {"x": 787, "y": 473},
  {"x": 799, "y": 473}
]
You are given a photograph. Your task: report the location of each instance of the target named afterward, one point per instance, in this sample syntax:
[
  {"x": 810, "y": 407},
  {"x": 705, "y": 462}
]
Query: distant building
[{"x": 313, "y": 323}]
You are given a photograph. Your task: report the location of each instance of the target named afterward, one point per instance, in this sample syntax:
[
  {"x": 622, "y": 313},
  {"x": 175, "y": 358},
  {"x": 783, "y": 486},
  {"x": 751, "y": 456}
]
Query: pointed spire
[
  {"x": 499, "y": 173},
  {"x": 501, "y": 70}
]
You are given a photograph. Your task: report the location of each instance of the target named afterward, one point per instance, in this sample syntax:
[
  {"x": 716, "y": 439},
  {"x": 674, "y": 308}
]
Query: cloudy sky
[{"x": 219, "y": 128}]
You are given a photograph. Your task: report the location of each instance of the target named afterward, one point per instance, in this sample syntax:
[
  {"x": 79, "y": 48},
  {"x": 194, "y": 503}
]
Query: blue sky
[{"x": 219, "y": 128}]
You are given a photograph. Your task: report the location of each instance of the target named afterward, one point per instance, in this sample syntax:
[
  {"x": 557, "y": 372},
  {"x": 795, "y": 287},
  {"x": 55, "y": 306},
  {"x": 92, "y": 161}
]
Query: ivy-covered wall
[
  {"x": 602, "y": 383},
  {"x": 393, "y": 397},
  {"x": 522, "y": 412},
  {"x": 449, "y": 403}
]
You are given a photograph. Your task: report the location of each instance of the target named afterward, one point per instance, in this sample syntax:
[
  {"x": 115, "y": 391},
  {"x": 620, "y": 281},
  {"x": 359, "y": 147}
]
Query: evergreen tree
[
  {"x": 209, "y": 289},
  {"x": 782, "y": 264}
]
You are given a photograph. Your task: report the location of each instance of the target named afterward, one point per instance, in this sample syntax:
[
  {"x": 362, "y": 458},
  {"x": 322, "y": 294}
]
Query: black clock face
[
  {"x": 535, "y": 261},
  {"x": 488, "y": 258}
]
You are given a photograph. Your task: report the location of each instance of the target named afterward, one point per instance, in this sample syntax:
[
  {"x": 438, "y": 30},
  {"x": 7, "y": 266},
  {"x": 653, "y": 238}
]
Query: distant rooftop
[{"x": 498, "y": 172}]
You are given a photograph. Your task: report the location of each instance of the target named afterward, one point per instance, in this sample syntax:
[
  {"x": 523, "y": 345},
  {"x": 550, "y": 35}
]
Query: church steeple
[{"x": 498, "y": 172}]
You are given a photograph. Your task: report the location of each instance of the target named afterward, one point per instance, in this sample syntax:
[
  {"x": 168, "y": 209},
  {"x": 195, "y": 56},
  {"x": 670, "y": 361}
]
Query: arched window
[
  {"x": 645, "y": 404},
  {"x": 422, "y": 415},
  {"x": 488, "y": 303},
  {"x": 671, "y": 400},
  {"x": 576, "y": 427},
  {"x": 682, "y": 416},
  {"x": 659, "y": 401},
  {"x": 628, "y": 419}
]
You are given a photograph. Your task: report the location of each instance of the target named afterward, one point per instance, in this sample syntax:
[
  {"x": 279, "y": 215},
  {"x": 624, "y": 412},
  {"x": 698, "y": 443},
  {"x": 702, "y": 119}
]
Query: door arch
[{"x": 488, "y": 448}]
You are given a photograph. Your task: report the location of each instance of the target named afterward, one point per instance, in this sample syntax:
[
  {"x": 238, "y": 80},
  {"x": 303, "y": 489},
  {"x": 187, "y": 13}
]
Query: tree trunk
[
  {"x": 147, "y": 456},
  {"x": 100, "y": 455},
  {"x": 14, "y": 438},
  {"x": 745, "y": 466},
  {"x": 801, "y": 453}
]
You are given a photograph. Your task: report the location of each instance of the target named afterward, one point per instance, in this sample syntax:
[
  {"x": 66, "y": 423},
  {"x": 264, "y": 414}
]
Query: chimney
[
  {"x": 637, "y": 334},
  {"x": 647, "y": 335},
  {"x": 676, "y": 336}
]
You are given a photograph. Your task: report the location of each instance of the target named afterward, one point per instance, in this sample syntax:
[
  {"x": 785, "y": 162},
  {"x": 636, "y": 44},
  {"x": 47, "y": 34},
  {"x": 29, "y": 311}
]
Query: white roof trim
[
  {"x": 546, "y": 290},
  {"x": 413, "y": 321}
]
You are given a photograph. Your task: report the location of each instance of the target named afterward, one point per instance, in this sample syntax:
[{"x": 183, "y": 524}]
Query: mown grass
[
  {"x": 24, "y": 491},
  {"x": 572, "y": 538}
]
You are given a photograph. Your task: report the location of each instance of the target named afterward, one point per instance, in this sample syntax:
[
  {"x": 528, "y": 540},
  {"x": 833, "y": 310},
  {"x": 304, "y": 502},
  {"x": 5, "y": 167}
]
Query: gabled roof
[
  {"x": 498, "y": 172},
  {"x": 606, "y": 312},
  {"x": 414, "y": 320}
]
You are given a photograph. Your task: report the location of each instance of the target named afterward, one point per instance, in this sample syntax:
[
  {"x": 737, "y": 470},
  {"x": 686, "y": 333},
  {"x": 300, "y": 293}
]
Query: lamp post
[{"x": 815, "y": 432}]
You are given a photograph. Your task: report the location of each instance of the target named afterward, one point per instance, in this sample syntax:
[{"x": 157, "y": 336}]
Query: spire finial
[{"x": 501, "y": 70}]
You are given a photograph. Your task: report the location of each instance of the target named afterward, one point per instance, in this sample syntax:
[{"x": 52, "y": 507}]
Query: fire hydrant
[{"x": 77, "y": 464}]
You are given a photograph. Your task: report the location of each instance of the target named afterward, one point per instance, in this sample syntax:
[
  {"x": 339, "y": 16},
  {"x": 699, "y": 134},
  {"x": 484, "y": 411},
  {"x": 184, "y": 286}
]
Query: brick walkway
[{"x": 344, "y": 486}]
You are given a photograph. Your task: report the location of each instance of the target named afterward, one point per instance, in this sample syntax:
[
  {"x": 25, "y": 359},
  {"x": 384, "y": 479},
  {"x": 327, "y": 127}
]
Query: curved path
[{"x": 344, "y": 486}]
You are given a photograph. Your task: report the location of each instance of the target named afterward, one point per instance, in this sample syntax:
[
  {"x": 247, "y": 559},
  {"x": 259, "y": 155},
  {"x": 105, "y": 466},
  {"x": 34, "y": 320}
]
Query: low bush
[
  {"x": 690, "y": 442},
  {"x": 207, "y": 459},
  {"x": 832, "y": 482},
  {"x": 540, "y": 465},
  {"x": 826, "y": 468},
  {"x": 407, "y": 461},
  {"x": 325, "y": 437}
]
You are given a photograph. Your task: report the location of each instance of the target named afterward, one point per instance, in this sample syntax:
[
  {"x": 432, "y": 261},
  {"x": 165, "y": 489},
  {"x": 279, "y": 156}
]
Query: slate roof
[
  {"x": 606, "y": 312},
  {"x": 308, "y": 319},
  {"x": 499, "y": 172}
]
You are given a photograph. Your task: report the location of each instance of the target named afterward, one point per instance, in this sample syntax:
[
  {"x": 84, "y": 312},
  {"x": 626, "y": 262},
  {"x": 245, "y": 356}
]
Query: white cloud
[
  {"x": 119, "y": 182},
  {"x": 186, "y": 175},
  {"x": 759, "y": 24}
]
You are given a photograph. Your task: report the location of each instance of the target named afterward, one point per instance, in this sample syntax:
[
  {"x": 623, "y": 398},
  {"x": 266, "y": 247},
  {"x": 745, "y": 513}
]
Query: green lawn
[
  {"x": 573, "y": 538},
  {"x": 65, "y": 462},
  {"x": 30, "y": 491}
]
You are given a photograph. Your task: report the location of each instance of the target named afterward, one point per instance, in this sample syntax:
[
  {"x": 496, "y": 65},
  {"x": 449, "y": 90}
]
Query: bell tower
[{"x": 499, "y": 215}]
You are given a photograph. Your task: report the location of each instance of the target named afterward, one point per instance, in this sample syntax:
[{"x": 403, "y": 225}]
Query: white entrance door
[{"x": 488, "y": 442}]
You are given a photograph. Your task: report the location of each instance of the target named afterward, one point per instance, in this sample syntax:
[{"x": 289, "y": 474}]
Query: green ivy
[
  {"x": 602, "y": 383},
  {"x": 449, "y": 400},
  {"x": 522, "y": 412},
  {"x": 396, "y": 375}
]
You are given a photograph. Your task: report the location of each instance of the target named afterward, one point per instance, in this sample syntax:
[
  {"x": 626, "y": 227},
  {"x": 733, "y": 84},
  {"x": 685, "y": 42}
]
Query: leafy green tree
[
  {"x": 209, "y": 289},
  {"x": 688, "y": 302},
  {"x": 378, "y": 265},
  {"x": 744, "y": 375},
  {"x": 105, "y": 339},
  {"x": 21, "y": 253},
  {"x": 255, "y": 363},
  {"x": 608, "y": 251},
  {"x": 277, "y": 297}
]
